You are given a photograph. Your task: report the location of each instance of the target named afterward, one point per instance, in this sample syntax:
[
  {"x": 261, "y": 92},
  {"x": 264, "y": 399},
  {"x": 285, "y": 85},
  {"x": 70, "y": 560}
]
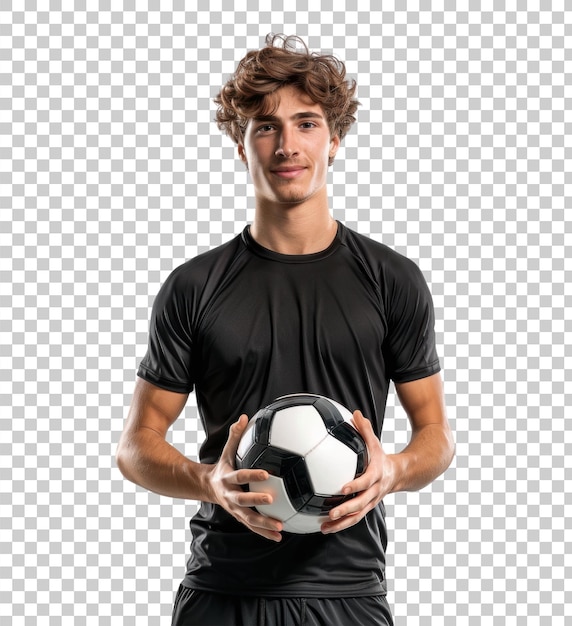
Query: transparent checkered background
[{"x": 112, "y": 173}]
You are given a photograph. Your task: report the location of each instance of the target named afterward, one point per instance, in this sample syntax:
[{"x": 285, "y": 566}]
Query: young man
[{"x": 296, "y": 302}]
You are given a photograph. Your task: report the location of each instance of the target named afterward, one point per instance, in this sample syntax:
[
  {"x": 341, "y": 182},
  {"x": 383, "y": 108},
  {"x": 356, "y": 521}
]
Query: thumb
[
  {"x": 234, "y": 434},
  {"x": 363, "y": 425}
]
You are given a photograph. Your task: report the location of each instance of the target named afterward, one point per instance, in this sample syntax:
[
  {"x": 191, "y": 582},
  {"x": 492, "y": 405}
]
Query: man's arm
[
  {"x": 431, "y": 448},
  {"x": 143, "y": 454},
  {"x": 147, "y": 459},
  {"x": 427, "y": 455}
]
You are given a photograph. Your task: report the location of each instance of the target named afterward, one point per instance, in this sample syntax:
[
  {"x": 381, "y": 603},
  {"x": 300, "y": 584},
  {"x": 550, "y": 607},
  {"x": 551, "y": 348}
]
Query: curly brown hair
[{"x": 249, "y": 91}]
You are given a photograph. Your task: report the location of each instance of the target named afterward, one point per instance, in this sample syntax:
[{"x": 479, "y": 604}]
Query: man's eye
[
  {"x": 308, "y": 125},
  {"x": 266, "y": 128}
]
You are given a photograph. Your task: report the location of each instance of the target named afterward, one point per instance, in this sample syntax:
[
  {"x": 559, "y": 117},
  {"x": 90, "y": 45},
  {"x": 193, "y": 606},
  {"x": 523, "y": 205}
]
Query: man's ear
[
  {"x": 242, "y": 154},
  {"x": 334, "y": 146}
]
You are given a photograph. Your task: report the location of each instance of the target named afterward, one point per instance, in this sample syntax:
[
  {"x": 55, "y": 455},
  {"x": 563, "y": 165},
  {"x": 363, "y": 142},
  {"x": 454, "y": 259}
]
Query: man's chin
[{"x": 294, "y": 197}]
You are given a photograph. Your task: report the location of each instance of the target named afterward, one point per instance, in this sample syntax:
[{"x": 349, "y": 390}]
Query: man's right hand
[
  {"x": 145, "y": 458},
  {"x": 226, "y": 485}
]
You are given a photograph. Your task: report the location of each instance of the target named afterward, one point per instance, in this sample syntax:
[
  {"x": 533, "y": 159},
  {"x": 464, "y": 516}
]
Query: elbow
[
  {"x": 120, "y": 460},
  {"x": 123, "y": 460},
  {"x": 450, "y": 450}
]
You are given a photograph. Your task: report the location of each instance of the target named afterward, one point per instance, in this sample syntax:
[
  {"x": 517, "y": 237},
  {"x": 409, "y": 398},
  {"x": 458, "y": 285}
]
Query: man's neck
[{"x": 294, "y": 231}]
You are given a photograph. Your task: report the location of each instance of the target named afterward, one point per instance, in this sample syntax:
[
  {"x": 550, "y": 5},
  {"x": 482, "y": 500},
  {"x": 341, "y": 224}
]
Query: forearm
[
  {"x": 428, "y": 454},
  {"x": 148, "y": 460}
]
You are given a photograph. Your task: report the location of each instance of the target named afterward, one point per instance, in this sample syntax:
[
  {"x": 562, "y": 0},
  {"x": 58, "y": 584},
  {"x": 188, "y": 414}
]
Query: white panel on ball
[
  {"x": 328, "y": 477},
  {"x": 297, "y": 429},
  {"x": 302, "y": 523}
]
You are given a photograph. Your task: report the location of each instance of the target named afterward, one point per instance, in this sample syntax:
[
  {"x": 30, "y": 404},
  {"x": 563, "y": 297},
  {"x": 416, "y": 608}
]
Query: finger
[
  {"x": 234, "y": 434},
  {"x": 349, "y": 514},
  {"x": 364, "y": 427},
  {"x": 250, "y": 498},
  {"x": 343, "y": 523},
  {"x": 354, "y": 505},
  {"x": 361, "y": 483},
  {"x": 268, "y": 534},
  {"x": 237, "y": 429},
  {"x": 261, "y": 524},
  {"x": 273, "y": 535},
  {"x": 245, "y": 476},
  {"x": 254, "y": 519}
]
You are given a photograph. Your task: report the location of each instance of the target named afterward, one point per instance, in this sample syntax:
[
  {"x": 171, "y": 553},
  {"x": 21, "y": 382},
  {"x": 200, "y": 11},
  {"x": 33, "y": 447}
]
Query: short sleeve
[
  {"x": 409, "y": 349},
  {"x": 167, "y": 362}
]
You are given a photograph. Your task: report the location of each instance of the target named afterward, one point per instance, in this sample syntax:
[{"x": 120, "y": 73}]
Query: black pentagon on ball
[
  {"x": 275, "y": 461},
  {"x": 290, "y": 467}
]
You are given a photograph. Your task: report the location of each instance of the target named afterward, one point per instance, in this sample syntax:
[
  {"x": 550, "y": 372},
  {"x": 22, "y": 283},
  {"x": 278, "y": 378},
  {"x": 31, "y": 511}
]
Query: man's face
[{"x": 287, "y": 153}]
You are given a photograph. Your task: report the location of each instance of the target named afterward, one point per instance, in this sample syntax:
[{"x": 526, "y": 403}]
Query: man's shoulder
[
  {"x": 199, "y": 277},
  {"x": 378, "y": 256},
  {"x": 204, "y": 264}
]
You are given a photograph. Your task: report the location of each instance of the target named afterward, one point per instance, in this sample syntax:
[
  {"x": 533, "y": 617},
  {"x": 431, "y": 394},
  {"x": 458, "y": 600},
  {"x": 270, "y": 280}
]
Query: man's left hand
[{"x": 371, "y": 487}]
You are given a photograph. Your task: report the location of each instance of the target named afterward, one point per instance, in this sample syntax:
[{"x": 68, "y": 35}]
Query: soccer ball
[{"x": 311, "y": 450}]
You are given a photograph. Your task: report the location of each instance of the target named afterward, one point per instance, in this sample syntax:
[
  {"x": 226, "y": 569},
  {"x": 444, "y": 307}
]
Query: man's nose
[{"x": 286, "y": 146}]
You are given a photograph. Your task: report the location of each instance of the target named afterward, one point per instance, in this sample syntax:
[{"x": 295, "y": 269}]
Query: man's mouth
[{"x": 288, "y": 172}]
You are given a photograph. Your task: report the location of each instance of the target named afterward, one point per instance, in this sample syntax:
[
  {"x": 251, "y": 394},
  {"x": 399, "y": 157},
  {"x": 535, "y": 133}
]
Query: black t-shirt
[{"x": 242, "y": 325}]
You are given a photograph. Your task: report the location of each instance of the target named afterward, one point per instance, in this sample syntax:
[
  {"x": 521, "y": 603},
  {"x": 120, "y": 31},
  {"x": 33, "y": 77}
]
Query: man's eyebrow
[{"x": 296, "y": 116}]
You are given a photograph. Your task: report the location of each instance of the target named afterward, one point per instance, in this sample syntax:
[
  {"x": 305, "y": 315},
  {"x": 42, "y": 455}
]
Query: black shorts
[{"x": 201, "y": 608}]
